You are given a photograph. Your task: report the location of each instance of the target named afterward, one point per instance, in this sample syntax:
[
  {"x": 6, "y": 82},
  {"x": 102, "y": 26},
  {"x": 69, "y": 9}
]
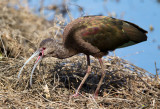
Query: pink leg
[
  {"x": 85, "y": 77},
  {"x": 102, "y": 77}
]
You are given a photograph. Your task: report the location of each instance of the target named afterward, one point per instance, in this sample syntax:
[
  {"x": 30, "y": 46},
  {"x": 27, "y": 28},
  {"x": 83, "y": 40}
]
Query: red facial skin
[{"x": 40, "y": 54}]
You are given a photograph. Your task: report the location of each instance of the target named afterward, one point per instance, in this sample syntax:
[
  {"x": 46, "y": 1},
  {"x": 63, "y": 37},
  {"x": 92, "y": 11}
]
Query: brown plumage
[{"x": 92, "y": 35}]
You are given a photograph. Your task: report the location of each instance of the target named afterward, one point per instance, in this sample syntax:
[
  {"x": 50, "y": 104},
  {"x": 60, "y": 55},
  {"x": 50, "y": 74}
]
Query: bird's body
[
  {"x": 93, "y": 35},
  {"x": 96, "y": 35}
]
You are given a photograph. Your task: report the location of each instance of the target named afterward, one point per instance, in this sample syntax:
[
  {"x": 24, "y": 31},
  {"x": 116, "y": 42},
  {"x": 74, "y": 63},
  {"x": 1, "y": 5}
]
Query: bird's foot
[
  {"x": 95, "y": 95},
  {"x": 75, "y": 95}
]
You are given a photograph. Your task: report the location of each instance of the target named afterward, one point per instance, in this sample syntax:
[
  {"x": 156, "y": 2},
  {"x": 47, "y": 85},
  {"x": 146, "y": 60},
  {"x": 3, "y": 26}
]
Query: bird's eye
[
  {"x": 43, "y": 48},
  {"x": 40, "y": 54}
]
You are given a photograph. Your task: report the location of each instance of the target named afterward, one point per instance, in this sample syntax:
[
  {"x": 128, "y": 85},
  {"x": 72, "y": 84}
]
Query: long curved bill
[
  {"x": 35, "y": 65},
  {"x": 38, "y": 52},
  {"x": 35, "y": 54}
]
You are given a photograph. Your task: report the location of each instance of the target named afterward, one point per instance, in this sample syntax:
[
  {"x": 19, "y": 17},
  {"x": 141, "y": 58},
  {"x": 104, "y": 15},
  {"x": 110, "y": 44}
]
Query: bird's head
[{"x": 46, "y": 48}]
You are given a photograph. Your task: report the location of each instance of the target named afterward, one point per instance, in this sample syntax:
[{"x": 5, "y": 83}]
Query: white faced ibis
[{"x": 91, "y": 35}]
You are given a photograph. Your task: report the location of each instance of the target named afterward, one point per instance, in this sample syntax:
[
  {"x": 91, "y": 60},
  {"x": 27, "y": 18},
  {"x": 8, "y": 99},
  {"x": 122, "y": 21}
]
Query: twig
[
  {"x": 119, "y": 99},
  {"x": 156, "y": 77},
  {"x": 3, "y": 46}
]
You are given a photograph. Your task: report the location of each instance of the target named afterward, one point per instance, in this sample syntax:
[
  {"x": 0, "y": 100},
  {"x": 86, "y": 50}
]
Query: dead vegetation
[{"x": 54, "y": 81}]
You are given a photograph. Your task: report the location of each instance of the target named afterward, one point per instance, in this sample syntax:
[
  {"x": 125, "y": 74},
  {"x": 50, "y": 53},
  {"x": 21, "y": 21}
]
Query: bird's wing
[
  {"x": 108, "y": 33},
  {"x": 105, "y": 33}
]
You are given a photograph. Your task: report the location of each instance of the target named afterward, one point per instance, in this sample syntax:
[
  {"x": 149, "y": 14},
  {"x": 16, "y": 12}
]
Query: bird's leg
[
  {"x": 85, "y": 77},
  {"x": 102, "y": 77}
]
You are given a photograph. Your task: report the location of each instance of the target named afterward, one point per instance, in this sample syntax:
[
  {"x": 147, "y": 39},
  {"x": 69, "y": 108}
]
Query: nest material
[
  {"x": 125, "y": 85},
  {"x": 54, "y": 81}
]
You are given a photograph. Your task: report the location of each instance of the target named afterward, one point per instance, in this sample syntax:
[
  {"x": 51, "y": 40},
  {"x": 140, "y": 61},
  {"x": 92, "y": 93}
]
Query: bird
[{"x": 93, "y": 36}]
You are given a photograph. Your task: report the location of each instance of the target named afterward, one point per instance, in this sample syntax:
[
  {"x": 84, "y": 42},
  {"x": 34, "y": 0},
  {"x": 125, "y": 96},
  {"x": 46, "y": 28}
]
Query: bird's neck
[{"x": 62, "y": 52}]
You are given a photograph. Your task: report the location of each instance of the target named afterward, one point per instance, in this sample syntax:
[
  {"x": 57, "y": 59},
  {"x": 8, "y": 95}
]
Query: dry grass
[{"x": 125, "y": 85}]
